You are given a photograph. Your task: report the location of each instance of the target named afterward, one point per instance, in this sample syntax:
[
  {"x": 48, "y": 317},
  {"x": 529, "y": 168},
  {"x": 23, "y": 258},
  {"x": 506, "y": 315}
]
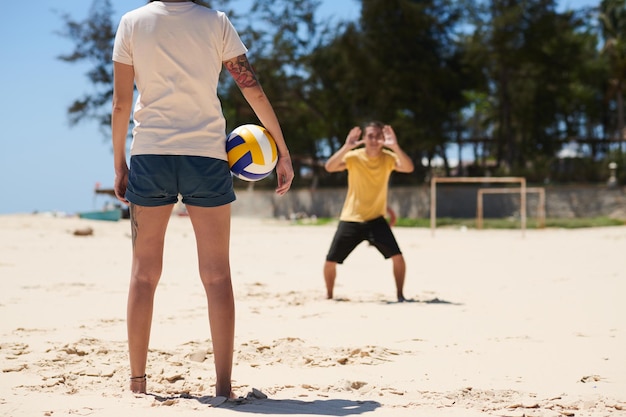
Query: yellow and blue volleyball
[{"x": 252, "y": 153}]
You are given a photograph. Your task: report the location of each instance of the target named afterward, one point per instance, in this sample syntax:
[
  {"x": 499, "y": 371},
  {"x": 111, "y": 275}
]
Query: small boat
[{"x": 112, "y": 215}]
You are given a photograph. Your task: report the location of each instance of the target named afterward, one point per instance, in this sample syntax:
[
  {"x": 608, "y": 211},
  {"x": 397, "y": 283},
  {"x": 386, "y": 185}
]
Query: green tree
[
  {"x": 280, "y": 48},
  {"x": 93, "y": 41},
  {"x": 535, "y": 61},
  {"x": 401, "y": 64},
  {"x": 516, "y": 79},
  {"x": 613, "y": 26}
]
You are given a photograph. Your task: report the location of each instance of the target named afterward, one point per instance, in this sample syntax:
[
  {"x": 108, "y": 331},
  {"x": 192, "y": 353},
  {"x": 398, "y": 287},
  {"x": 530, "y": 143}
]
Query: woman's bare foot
[
  {"x": 221, "y": 399},
  {"x": 138, "y": 384}
]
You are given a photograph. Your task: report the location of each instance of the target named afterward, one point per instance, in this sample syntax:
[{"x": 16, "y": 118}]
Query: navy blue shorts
[
  {"x": 157, "y": 180},
  {"x": 349, "y": 234}
]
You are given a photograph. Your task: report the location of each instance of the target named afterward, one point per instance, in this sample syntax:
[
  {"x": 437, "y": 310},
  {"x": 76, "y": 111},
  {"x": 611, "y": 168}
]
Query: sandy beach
[{"x": 499, "y": 324}]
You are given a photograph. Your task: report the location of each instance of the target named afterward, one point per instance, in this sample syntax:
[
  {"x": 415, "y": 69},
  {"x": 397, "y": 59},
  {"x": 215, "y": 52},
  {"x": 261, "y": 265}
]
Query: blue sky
[{"x": 46, "y": 165}]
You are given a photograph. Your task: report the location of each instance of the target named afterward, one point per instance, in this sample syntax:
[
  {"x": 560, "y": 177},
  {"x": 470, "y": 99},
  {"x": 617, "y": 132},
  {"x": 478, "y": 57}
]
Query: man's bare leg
[
  {"x": 399, "y": 272},
  {"x": 330, "y": 273}
]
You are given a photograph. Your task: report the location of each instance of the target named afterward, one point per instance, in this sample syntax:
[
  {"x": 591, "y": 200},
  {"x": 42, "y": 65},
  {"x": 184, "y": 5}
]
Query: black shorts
[{"x": 349, "y": 234}]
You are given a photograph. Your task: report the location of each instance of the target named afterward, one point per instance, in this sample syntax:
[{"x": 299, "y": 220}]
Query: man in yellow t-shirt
[{"x": 363, "y": 214}]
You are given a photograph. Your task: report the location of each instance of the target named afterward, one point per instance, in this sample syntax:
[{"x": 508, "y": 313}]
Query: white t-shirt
[{"x": 177, "y": 51}]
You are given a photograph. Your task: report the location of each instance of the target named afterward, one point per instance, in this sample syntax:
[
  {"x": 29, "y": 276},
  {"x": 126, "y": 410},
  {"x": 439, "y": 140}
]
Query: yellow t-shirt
[{"x": 368, "y": 180}]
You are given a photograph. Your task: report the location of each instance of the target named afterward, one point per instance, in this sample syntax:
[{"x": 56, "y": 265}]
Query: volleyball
[{"x": 251, "y": 151}]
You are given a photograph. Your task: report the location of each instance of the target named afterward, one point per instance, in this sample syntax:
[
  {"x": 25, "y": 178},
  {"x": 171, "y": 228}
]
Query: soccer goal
[
  {"x": 541, "y": 204},
  {"x": 481, "y": 180}
]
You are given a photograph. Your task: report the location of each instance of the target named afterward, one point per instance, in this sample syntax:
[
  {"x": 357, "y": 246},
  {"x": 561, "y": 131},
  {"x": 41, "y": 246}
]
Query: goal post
[
  {"x": 541, "y": 204},
  {"x": 481, "y": 180}
]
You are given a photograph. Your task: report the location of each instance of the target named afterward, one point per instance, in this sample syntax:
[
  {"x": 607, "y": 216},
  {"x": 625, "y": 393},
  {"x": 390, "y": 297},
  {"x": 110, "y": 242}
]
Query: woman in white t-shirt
[{"x": 173, "y": 51}]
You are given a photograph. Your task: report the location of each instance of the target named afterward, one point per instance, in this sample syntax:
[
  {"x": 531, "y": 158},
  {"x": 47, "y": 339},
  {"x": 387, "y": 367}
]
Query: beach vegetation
[
  {"x": 472, "y": 88},
  {"x": 509, "y": 223}
]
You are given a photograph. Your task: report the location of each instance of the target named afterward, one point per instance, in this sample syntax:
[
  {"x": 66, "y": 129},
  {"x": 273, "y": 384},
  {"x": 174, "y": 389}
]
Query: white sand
[{"x": 501, "y": 324}]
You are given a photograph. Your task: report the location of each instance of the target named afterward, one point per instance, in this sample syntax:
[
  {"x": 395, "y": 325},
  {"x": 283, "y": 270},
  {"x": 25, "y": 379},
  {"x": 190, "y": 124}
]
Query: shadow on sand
[
  {"x": 331, "y": 407},
  {"x": 430, "y": 301},
  {"x": 406, "y": 301}
]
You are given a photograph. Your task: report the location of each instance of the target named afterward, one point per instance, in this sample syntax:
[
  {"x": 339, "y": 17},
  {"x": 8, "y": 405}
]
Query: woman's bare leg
[
  {"x": 212, "y": 229},
  {"x": 148, "y": 226}
]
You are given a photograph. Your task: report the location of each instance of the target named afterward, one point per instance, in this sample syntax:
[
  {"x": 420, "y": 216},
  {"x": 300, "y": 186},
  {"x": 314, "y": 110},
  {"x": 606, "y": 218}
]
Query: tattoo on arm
[{"x": 242, "y": 72}]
